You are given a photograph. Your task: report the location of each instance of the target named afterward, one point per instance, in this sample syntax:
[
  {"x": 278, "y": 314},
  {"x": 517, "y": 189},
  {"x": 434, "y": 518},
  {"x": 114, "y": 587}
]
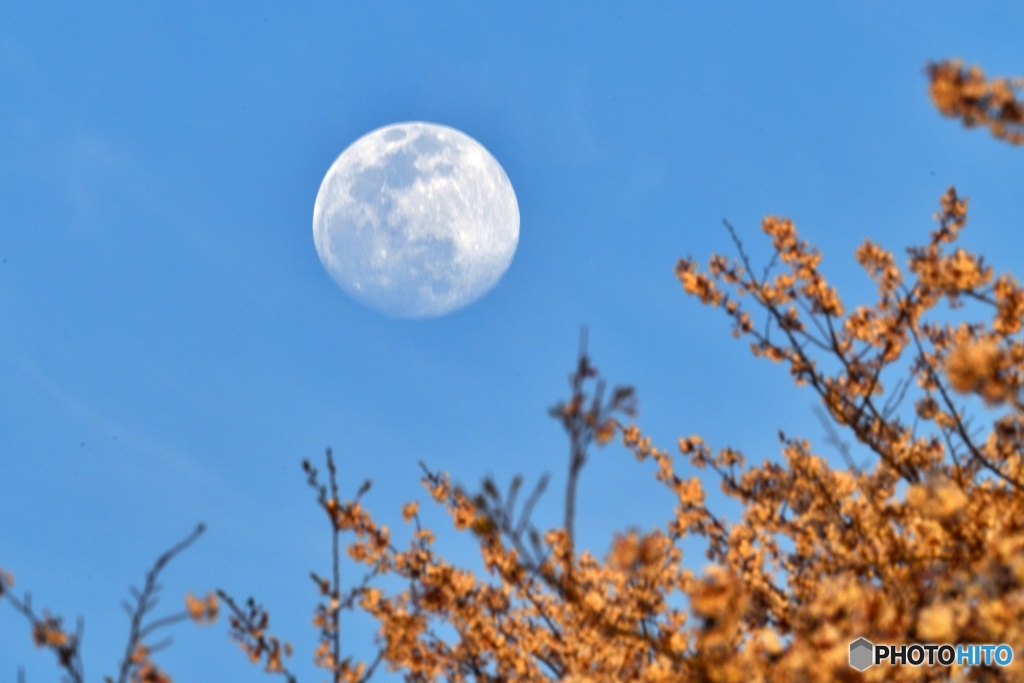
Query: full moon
[{"x": 416, "y": 220}]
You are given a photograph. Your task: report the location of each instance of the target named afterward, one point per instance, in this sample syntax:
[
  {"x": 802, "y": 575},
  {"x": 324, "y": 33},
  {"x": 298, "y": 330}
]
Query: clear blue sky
[{"x": 171, "y": 348}]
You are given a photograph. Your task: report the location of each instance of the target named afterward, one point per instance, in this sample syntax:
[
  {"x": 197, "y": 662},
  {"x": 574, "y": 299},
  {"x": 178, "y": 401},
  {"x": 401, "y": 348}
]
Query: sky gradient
[{"x": 171, "y": 347}]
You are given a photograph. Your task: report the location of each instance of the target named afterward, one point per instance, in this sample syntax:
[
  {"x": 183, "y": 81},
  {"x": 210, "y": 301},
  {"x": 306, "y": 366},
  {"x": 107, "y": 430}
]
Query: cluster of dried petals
[
  {"x": 143, "y": 668},
  {"x": 202, "y": 610},
  {"x": 964, "y": 93},
  {"x": 974, "y": 366},
  {"x": 249, "y": 630},
  {"x": 47, "y": 632},
  {"x": 1009, "y": 306},
  {"x": 823, "y": 556},
  {"x": 696, "y": 283},
  {"x": 881, "y": 266}
]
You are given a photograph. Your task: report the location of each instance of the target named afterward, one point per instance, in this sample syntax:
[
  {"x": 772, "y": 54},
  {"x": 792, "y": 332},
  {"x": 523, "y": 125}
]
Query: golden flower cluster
[
  {"x": 965, "y": 93},
  {"x": 249, "y": 625},
  {"x": 921, "y": 542},
  {"x": 825, "y": 556},
  {"x": 202, "y": 610},
  {"x": 925, "y": 545},
  {"x": 47, "y": 632},
  {"x": 143, "y": 668}
]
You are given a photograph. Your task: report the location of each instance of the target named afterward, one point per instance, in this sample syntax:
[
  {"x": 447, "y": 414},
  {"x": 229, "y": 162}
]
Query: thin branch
[
  {"x": 577, "y": 444},
  {"x": 47, "y": 632},
  {"x": 832, "y": 438},
  {"x": 145, "y": 600},
  {"x": 248, "y": 629},
  {"x": 961, "y": 430},
  {"x": 335, "y": 569}
]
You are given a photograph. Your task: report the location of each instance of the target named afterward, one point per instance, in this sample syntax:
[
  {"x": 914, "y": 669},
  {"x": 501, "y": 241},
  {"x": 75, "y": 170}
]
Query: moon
[{"x": 416, "y": 220}]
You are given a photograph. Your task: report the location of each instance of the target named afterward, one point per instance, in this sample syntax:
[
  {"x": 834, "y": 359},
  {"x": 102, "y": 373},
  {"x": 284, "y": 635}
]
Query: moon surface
[{"x": 416, "y": 220}]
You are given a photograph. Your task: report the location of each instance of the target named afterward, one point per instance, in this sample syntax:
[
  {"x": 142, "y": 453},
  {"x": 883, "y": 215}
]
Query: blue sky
[{"x": 171, "y": 348}]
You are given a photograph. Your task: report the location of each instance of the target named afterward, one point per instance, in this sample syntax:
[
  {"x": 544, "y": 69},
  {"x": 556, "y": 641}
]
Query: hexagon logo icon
[{"x": 861, "y": 651}]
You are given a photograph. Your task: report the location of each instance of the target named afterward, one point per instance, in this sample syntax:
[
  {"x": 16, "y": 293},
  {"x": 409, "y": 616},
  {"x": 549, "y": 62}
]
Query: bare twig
[
  {"x": 249, "y": 630},
  {"x": 146, "y": 600},
  {"x": 586, "y": 418},
  {"x": 47, "y": 630},
  {"x": 329, "y": 614},
  {"x": 832, "y": 438}
]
